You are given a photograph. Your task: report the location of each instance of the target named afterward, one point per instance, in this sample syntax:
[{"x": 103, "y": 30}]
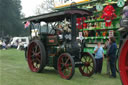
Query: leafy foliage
[{"x": 10, "y": 23}]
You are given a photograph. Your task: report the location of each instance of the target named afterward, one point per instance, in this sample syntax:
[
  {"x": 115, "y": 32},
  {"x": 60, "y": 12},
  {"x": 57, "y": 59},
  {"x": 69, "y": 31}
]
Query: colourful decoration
[
  {"x": 99, "y": 7},
  {"x": 96, "y": 34},
  {"x": 108, "y": 15},
  {"x": 80, "y": 23},
  {"x": 120, "y": 3},
  {"x": 85, "y": 33},
  {"x": 104, "y": 33}
]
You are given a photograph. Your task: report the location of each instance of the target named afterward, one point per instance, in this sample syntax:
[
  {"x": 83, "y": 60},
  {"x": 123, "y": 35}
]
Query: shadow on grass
[{"x": 50, "y": 71}]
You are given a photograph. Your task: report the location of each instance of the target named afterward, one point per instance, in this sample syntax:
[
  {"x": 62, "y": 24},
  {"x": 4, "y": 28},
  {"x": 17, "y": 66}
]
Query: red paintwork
[
  {"x": 80, "y": 24},
  {"x": 51, "y": 41},
  {"x": 123, "y": 63}
]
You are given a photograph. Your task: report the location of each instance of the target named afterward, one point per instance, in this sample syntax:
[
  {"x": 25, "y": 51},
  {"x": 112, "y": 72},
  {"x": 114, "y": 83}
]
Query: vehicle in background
[{"x": 19, "y": 42}]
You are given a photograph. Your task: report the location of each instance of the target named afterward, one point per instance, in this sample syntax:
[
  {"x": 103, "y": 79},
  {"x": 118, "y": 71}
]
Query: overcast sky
[{"x": 29, "y": 6}]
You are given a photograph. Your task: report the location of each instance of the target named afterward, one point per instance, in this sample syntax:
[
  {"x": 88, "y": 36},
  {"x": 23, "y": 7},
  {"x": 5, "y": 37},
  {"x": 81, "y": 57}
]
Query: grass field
[{"x": 14, "y": 71}]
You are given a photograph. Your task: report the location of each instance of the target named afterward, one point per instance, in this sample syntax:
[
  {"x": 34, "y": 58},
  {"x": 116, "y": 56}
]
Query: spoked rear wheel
[
  {"x": 66, "y": 66},
  {"x": 123, "y": 63},
  {"x": 89, "y": 64},
  {"x": 36, "y": 56}
]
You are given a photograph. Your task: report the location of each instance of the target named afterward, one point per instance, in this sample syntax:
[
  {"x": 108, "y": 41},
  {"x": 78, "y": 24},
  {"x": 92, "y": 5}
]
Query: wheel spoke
[
  {"x": 67, "y": 60},
  {"x": 32, "y": 55},
  {"x": 38, "y": 60},
  {"x": 83, "y": 68},
  {"x": 36, "y": 48},
  {"x": 62, "y": 62},
  {"x": 33, "y": 60},
  {"x": 91, "y": 61},
  {"x": 67, "y": 68},
  {"x": 91, "y": 66},
  {"x": 36, "y": 65},
  {"x": 89, "y": 58},
  {"x": 33, "y": 52},
  {"x": 88, "y": 70},
  {"x": 62, "y": 67},
  {"x": 85, "y": 58},
  {"x": 70, "y": 64},
  {"x": 38, "y": 53},
  {"x": 64, "y": 71}
]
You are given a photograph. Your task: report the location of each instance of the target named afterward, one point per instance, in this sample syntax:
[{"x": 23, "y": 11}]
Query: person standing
[
  {"x": 99, "y": 56},
  {"x": 112, "y": 56},
  {"x": 4, "y": 45},
  {"x": 107, "y": 47}
]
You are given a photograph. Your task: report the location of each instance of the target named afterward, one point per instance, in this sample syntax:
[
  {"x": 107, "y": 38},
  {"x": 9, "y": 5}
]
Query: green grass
[{"x": 14, "y": 71}]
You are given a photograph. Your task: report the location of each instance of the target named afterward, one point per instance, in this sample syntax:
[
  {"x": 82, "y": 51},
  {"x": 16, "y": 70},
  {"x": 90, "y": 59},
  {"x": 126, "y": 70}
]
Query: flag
[{"x": 27, "y": 24}]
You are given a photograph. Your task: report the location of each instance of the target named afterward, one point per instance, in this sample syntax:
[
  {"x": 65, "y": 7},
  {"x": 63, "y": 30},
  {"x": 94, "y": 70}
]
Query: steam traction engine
[{"x": 58, "y": 47}]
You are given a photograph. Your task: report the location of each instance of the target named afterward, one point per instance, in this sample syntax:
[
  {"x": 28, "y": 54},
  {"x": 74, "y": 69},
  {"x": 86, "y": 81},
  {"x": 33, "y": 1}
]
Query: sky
[{"x": 29, "y": 6}]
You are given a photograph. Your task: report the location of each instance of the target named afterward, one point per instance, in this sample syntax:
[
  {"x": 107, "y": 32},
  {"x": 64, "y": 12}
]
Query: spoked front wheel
[
  {"x": 123, "y": 62},
  {"x": 36, "y": 56},
  {"x": 88, "y": 67},
  {"x": 66, "y": 66}
]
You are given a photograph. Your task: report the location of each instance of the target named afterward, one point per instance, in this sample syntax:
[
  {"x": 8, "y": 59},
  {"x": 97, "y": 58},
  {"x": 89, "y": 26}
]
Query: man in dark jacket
[{"x": 112, "y": 56}]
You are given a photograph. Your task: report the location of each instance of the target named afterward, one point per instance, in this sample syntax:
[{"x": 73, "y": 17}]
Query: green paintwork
[
  {"x": 91, "y": 50},
  {"x": 99, "y": 29},
  {"x": 99, "y": 20}
]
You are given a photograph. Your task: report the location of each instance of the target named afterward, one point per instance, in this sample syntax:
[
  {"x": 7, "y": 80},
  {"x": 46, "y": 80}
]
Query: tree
[{"x": 10, "y": 23}]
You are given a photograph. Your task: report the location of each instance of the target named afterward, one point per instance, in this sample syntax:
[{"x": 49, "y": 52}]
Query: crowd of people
[
  {"x": 111, "y": 48},
  {"x": 4, "y": 44}
]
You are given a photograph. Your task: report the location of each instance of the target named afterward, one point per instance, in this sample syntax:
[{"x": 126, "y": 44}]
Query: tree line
[{"x": 10, "y": 15}]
